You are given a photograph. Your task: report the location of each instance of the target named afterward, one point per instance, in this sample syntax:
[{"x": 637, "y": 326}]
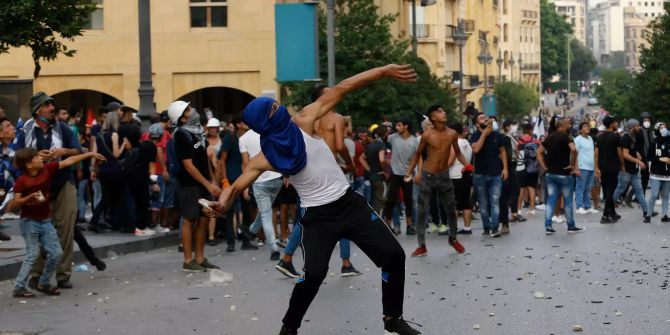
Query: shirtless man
[
  {"x": 331, "y": 129},
  {"x": 332, "y": 209},
  {"x": 435, "y": 175}
]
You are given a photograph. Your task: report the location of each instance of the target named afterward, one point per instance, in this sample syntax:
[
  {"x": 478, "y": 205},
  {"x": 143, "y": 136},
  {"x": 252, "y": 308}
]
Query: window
[
  {"x": 209, "y": 13},
  {"x": 96, "y": 18}
]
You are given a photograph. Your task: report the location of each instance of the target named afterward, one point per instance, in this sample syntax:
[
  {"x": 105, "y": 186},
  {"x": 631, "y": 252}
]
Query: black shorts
[
  {"x": 187, "y": 200},
  {"x": 286, "y": 196},
  {"x": 462, "y": 191},
  {"x": 527, "y": 179}
]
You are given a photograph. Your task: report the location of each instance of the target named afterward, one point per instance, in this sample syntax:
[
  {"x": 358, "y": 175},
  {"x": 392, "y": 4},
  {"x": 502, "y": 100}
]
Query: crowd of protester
[{"x": 61, "y": 165}]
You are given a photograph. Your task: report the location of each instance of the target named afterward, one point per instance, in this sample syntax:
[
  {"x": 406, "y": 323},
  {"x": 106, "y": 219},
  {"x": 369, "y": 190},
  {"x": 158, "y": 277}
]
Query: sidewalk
[{"x": 105, "y": 245}]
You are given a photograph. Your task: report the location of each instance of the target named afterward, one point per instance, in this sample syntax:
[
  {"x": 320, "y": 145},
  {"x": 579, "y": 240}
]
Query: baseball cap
[
  {"x": 112, "y": 106},
  {"x": 164, "y": 116},
  {"x": 156, "y": 131}
]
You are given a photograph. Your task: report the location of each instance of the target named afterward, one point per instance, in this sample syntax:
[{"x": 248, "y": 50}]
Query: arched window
[{"x": 505, "y": 32}]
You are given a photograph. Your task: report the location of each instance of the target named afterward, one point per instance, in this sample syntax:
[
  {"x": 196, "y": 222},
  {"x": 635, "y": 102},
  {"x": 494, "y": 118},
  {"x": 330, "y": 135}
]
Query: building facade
[
  {"x": 217, "y": 54},
  {"x": 635, "y": 33},
  {"x": 574, "y": 12}
]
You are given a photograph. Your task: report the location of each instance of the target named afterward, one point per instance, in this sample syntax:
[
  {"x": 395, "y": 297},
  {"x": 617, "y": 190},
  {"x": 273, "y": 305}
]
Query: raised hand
[{"x": 402, "y": 73}]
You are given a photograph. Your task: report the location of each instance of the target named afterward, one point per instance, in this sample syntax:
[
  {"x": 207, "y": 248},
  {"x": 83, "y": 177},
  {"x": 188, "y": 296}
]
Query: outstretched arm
[
  {"x": 256, "y": 166},
  {"x": 314, "y": 111}
]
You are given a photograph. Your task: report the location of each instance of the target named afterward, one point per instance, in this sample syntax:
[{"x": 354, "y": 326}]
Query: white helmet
[
  {"x": 176, "y": 110},
  {"x": 213, "y": 123}
]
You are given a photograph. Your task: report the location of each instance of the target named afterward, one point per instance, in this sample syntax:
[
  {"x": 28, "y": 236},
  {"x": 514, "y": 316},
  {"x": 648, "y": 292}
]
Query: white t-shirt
[
  {"x": 457, "y": 167},
  {"x": 250, "y": 143},
  {"x": 321, "y": 181}
]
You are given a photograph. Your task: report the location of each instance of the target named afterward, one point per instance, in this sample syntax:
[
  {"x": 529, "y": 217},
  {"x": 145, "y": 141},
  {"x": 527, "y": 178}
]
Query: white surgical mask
[
  {"x": 495, "y": 125},
  {"x": 646, "y": 124},
  {"x": 514, "y": 128},
  {"x": 665, "y": 132}
]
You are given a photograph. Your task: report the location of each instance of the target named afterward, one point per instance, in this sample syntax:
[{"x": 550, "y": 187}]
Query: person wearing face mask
[
  {"x": 560, "y": 163},
  {"x": 645, "y": 138},
  {"x": 490, "y": 171},
  {"x": 633, "y": 163},
  {"x": 608, "y": 165},
  {"x": 659, "y": 170},
  {"x": 510, "y": 189}
]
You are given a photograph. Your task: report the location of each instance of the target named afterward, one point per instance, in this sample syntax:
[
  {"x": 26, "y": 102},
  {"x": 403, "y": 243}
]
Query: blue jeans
[
  {"x": 81, "y": 196},
  {"x": 265, "y": 194},
  {"x": 634, "y": 180},
  {"x": 566, "y": 185},
  {"x": 296, "y": 238},
  {"x": 488, "y": 194},
  {"x": 659, "y": 186},
  {"x": 583, "y": 190},
  {"x": 39, "y": 235}
]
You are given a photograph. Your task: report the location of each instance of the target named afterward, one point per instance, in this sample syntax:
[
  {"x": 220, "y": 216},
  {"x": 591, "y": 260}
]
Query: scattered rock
[{"x": 577, "y": 328}]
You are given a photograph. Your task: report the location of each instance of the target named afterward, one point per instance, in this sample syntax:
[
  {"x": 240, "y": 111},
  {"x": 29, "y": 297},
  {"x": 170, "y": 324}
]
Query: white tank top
[{"x": 321, "y": 181}]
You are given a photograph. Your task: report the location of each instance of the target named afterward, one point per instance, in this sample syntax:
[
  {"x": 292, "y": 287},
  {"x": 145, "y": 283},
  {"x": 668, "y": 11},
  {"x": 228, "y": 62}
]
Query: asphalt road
[{"x": 610, "y": 279}]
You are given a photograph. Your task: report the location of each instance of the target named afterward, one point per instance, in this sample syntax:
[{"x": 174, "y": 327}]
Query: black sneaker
[
  {"x": 654, "y": 214},
  {"x": 486, "y": 232},
  {"x": 286, "y": 331},
  {"x": 410, "y": 230},
  {"x": 248, "y": 245},
  {"x": 647, "y": 219},
  {"x": 520, "y": 218},
  {"x": 398, "y": 326},
  {"x": 464, "y": 232},
  {"x": 576, "y": 230},
  {"x": 607, "y": 220},
  {"x": 349, "y": 271},
  {"x": 617, "y": 217},
  {"x": 212, "y": 242},
  {"x": 287, "y": 269},
  {"x": 495, "y": 233},
  {"x": 549, "y": 231},
  {"x": 231, "y": 247},
  {"x": 442, "y": 233},
  {"x": 665, "y": 219},
  {"x": 209, "y": 266},
  {"x": 274, "y": 256}
]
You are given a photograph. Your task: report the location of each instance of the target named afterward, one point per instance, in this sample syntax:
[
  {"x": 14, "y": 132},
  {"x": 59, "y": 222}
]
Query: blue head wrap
[{"x": 281, "y": 139}]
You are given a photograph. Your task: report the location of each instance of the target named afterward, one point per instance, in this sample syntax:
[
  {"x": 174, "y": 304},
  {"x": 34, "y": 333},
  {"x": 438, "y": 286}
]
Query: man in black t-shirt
[
  {"x": 560, "y": 163},
  {"x": 633, "y": 163},
  {"x": 193, "y": 177},
  {"x": 608, "y": 165},
  {"x": 373, "y": 160}
]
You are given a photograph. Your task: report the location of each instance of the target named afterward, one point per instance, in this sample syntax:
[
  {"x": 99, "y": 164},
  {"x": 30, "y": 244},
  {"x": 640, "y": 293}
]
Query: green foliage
[
  {"x": 515, "y": 99},
  {"x": 614, "y": 92},
  {"x": 41, "y": 25},
  {"x": 554, "y": 39},
  {"x": 582, "y": 61},
  {"x": 363, "y": 40},
  {"x": 652, "y": 85}
]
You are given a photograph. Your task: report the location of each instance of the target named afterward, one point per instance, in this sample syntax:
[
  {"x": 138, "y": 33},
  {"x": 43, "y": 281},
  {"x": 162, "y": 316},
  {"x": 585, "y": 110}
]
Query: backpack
[
  {"x": 173, "y": 163},
  {"x": 530, "y": 157},
  {"x": 128, "y": 161}
]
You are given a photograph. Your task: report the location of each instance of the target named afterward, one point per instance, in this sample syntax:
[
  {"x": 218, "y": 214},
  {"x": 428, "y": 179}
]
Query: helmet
[
  {"x": 213, "y": 123},
  {"x": 176, "y": 110}
]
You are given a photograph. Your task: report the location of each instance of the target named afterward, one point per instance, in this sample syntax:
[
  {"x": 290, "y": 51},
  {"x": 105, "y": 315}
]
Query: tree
[
  {"x": 363, "y": 40},
  {"x": 582, "y": 61},
  {"x": 652, "y": 84},
  {"x": 41, "y": 25},
  {"x": 554, "y": 33},
  {"x": 515, "y": 99},
  {"x": 613, "y": 93}
]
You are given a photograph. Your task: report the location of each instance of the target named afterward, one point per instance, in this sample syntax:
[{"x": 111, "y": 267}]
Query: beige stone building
[
  {"x": 520, "y": 41},
  {"x": 635, "y": 32},
  {"x": 217, "y": 53},
  {"x": 574, "y": 13}
]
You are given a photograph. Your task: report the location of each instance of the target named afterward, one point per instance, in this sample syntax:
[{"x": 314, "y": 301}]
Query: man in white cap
[{"x": 194, "y": 182}]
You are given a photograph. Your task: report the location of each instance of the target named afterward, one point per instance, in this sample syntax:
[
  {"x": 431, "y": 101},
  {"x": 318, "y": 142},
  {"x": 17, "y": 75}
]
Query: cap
[
  {"x": 112, "y": 106},
  {"x": 164, "y": 116},
  {"x": 645, "y": 115},
  {"x": 37, "y": 100},
  {"x": 632, "y": 123},
  {"x": 155, "y": 131},
  {"x": 176, "y": 110},
  {"x": 213, "y": 123}
]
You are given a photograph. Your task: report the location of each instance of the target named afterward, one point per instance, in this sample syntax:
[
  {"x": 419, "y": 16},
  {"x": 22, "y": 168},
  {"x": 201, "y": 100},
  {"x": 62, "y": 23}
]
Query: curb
[{"x": 9, "y": 271}]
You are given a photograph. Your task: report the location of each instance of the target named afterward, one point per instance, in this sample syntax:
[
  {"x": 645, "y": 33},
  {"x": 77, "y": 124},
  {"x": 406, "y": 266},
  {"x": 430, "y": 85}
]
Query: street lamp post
[
  {"x": 485, "y": 58},
  {"x": 511, "y": 66},
  {"x": 568, "y": 52},
  {"x": 520, "y": 61},
  {"x": 460, "y": 38},
  {"x": 330, "y": 40},
  {"x": 146, "y": 89},
  {"x": 499, "y": 61}
]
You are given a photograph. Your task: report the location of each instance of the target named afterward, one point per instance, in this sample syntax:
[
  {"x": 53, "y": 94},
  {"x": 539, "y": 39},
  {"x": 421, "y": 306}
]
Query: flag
[
  {"x": 90, "y": 118},
  {"x": 538, "y": 131}
]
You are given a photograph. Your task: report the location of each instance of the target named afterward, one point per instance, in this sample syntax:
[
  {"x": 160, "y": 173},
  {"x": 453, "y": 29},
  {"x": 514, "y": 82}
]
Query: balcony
[
  {"x": 530, "y": 67},
  {"x": 422, "y": 31}
]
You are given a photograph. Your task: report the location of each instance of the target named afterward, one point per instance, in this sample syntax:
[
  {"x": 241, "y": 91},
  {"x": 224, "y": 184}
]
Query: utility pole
[
  {"x": 414, "y": 40},
  {"x": 330, "y": 27},
  {"x": 146, "y": 90}
]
